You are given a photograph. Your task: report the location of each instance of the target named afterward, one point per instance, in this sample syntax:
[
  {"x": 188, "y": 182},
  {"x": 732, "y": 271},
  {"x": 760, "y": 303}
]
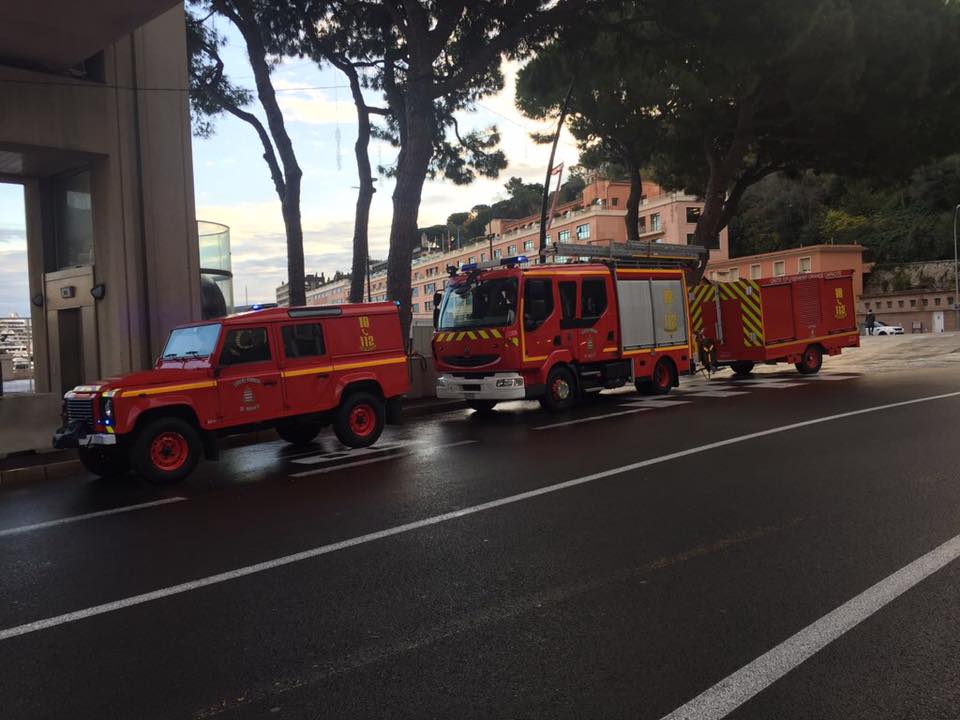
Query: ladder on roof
[{"x": 692, "y": 258}]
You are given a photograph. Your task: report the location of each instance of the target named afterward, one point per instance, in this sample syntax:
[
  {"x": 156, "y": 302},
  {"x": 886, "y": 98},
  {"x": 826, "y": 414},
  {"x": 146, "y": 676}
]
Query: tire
[
  {"x": 811, "y": 361},
  {"x": 359, "y": 419},
  {"x": 742, "y": 367},
  {"x": 298, "y": 432},
  {"x": 481, "y": 406},
  {"x": 107, "y": 462},
  {"x": 166, "y": 450},
  {"x": 561, "y": 391},
  {"x": 661, "y": 381}
]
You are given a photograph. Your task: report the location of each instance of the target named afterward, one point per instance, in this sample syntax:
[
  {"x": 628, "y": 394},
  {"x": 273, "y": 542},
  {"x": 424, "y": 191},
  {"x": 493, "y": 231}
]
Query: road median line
[
  {"x": 88, "y": 516},
  {"x": 134, "y": 600}
]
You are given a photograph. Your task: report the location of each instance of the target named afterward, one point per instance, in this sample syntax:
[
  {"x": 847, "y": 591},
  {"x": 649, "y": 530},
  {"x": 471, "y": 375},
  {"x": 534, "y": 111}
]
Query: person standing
[{"x": 871, "y": 322}]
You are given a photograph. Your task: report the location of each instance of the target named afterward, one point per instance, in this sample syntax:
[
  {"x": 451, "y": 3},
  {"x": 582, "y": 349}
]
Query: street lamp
[{"x": 956, "y": 277}]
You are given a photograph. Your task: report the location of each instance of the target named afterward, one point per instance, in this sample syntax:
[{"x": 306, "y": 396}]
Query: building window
[
  {"x": 563, "y": 236},
  {"x": 472, "y": 259},
  {"x": 429, "y": 288},
  {"x": 302, "y": 340},
  {"x": 614, "y": 201},
  {"x": 427, "y": 306},
  {"x": 949, "y": 301},
  {"x": 416, "y": 275},
  {"x": 73, "y": 224},
  {"x": 512, "y": 250},
  {"x": 899, "y": 303},
  {"x": 926, "y": 302},
  {"x": 415, "y": 308},
  {"x": 483, "y": 257},
  {"x": 655, "y": 225},
  {"x": 889, "y": 304},
  {"x": 805, "y": 265},
  {"x": 497, "y": 253},
  {"x": 913, "y": 303},
  {"x": 583, "y": 232},
  {"x": 735, "y": 273},
  {"x": 936, "y": 301},
  {"x": 690, "y": 238},
  {"x": 693, "y": 214},
  {"x": 755, "y": 272},
  {"x": 528, "y": 244},
  {"x": 414, "y": 291},
  {"x": 642, "y": 224},
  {"x": 779, "y": 268}
]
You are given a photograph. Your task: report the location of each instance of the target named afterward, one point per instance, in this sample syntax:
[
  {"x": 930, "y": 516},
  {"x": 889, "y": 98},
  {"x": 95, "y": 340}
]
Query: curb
[{"x": 40, "y": 471}]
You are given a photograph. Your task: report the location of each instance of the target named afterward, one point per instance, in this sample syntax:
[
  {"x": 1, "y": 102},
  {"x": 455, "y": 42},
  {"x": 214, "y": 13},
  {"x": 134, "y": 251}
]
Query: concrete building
[
  {"x": 919, "y": 296},
  {"x": 95, "y": 126},
  {"x": 595, "y": 218},
  {"x": 310, "y": 282}
]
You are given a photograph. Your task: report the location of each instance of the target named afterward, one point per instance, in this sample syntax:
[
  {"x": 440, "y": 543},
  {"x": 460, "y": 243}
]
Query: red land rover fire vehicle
[
  {"x": 793, "y": 318},
  {"x": 508, "y": 330},
  {"x": 294, "y": 369}
]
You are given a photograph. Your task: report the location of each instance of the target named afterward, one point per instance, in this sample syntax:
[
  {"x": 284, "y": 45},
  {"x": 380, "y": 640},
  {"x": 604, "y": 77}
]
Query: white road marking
[
  {"x": 716, "y": 393},
  {"x": 88, "y": 516},
  {"x": 829, "y": 376},
  {"x": 379, "y": 458},
  {"x": 134, "y": 600},
  {"x": 734, "y": 690},
  {"x": 651, "y": 403},
  {"x": 323, "y": 457},
  {"x": 590, "y": 419},
  {"x": 458, "y": 443},
  {"x": 344, "y": 466}
]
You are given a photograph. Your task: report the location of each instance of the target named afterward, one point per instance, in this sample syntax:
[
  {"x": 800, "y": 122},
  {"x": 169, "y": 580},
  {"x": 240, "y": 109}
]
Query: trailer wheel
[
  {"x": 359, "y": 419},
  {"x": 481, "y": 406},
  {"x": 107, "y": 462},
  {"x": 561, "y": 392},
  {"x": 298, "y": 432},
  {"x": 810, "y": 361},
  {"x": 742, "y": 367},
  {"x": 660, "y": 382},
  {"x": 166, "y": 450}
]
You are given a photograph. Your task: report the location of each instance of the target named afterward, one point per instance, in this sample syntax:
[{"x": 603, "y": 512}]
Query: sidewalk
[{"x": 49, "y": 464}]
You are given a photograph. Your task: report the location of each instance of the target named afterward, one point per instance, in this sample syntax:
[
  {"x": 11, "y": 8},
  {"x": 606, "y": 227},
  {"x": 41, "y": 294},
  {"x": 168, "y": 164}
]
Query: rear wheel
[
  {"x": 811, "y": 361},
  {"x": 561, "y": 392},
  {"x": 298, "y": 432},
  {"x": 481, "y": 406},
  {"x": 661, "y": 381},
  {"x": 107, "y": 462},
  {"x": 359, "y": 419},
  {"x": 166, "y": 450},
  {"x": 742, "y": 367}
]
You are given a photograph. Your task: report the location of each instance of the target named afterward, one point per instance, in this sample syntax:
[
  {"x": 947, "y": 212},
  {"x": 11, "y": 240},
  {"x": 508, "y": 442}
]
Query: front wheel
[
  {"x": 811, "y": 361},
  {"x": 166, "y": 450},
  {"x": 298, "y": 432},
  {"x": 107, "y": 462},
  {"x": 561, "y": 391},
  {"x": 481, "y": 406},
  {"x": 359, "y": 419}
]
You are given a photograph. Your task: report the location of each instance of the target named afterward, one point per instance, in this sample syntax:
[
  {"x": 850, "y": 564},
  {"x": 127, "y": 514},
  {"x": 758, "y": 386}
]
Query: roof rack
[{"x": 642, "y": 254}]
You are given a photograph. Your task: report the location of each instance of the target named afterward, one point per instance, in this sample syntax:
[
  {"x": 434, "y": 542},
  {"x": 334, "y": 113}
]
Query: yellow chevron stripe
[
  {"x": 495, "y": 333},
  {"x": 483, "y": 334},
  {"x": 748, "y": 299},
  {"x": 460, "y": 336},
  {"x": 472, "y": 335}
]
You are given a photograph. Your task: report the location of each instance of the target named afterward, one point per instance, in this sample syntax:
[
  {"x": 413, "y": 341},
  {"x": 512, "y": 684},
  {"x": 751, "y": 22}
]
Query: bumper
[
  {"x": 498, "y": 386},
  {"x": 74, "y": 436}
]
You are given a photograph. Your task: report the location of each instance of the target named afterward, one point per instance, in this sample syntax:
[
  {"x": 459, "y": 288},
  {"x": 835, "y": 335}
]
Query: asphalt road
[{"x": 632, "y": 559}]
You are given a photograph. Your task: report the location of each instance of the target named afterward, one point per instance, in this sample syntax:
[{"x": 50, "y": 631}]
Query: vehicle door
[
  {"x": 248, "y": 376},
  {"x": 568, "y": 295},
  {"x": 305, "y": 368},
  {"x": 541, "y": 325},
  {"x": 597, "y": 326}
]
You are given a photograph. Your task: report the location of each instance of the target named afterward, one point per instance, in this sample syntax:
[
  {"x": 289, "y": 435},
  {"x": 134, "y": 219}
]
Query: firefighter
[
  {"x": 707, "y": 354},
  {"x": 871, "y": 322}
]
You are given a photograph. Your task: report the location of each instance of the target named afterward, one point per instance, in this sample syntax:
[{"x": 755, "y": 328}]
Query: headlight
[
  {"x": 106, "y": 409},
  {"x": 510, "y": 382}
]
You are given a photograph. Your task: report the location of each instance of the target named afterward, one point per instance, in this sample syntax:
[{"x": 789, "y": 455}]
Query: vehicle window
[
  {"x": 305, "y": 340},
  {"x": 537, "y": 302},
  {"x": 245, "y": 345},
  {"x": 593, "y": 298},
  {"x": 478, "y": 303},
  {"x": 196, "y": 341},
  {"x": 568, "y": 299}
]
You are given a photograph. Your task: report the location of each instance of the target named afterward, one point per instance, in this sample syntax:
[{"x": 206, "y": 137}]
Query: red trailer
[{"x": 795, "y": 318}]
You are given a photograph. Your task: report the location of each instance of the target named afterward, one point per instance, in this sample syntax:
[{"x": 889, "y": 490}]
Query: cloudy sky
[{"x": 233, "y": 186}]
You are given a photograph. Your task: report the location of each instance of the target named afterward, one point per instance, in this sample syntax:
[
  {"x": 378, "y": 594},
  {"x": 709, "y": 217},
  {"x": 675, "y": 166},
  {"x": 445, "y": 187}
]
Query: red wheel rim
[
  {"x": 363, "y": 420},
  {"x": 663, "y": 376},
  {"x": 810, "y": 358},
  {"x": 169, "y": 451}
]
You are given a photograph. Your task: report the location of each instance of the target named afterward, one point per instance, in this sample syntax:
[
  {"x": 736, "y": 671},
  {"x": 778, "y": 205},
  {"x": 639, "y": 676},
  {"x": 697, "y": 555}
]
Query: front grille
[
  {"x": 469, "y": 360},
  {"x": 80, "y": 410}
]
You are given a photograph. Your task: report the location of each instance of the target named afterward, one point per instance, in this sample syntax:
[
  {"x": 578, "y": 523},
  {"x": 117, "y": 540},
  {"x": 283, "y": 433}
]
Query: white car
[{"x": 881, "y": 328}]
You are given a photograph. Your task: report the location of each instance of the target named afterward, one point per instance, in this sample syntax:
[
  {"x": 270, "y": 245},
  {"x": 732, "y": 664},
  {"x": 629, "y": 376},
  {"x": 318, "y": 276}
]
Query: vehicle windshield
[
  {"x": 480, "y": 303},
  {"x": 188, "y": 342}
]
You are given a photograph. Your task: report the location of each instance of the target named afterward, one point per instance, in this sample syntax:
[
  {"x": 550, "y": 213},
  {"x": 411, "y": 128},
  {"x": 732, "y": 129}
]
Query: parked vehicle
[
  {"x": 296, "y": 370},
  {"x": 509, "y": 329},
  {"x": 796, "y": 319},
  {"x": 881, "y": 328}
]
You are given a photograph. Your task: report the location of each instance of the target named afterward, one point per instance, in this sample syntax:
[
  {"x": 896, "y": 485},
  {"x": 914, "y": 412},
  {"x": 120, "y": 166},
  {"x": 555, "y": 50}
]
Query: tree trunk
[
  {"x": 632, "y": 219},
  {"x": 361, "y": 251},
  {"x": 290, "y": 207},
  {"x": 412, "y": 164}
]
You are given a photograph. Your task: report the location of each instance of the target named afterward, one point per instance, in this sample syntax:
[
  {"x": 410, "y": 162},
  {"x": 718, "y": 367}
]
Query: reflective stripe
[
  {"x": 495, "y": 333},
  {"x": 171, "y": 388},
  {"x": 460, "y": 336},
  {"x": 307, "y": 371},
  {"x": 370, "y": 363},
  {"x": 483, "y": 334},
  {"x": 472, "y": 335}
]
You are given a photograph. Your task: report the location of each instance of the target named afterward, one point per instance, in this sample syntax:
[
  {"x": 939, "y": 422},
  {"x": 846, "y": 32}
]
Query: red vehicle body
[
  {"x": 796, "y": 319},
  {"x": 294, "y": 369},
  {"x": 555, "y": 331}
]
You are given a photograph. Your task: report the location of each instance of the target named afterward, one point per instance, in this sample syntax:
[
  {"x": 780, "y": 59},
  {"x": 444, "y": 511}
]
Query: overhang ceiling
[{"x": 59, "y": 34}]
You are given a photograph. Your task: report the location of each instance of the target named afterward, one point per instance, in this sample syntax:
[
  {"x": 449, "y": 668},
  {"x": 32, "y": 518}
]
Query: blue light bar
[
  {"x": 516, "y": 260},
  {"x": 468, "y": 267}
]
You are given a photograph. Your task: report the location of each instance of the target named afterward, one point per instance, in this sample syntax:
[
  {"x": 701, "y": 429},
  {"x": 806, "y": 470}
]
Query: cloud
[
  {"x": 14, "y": 286},
  {"x": 315, "y": 107}
]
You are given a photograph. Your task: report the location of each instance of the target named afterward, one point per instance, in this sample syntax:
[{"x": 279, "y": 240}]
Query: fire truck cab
[
  {"x": 292, "y": 369},
  {"x": 511, "y": 330}
]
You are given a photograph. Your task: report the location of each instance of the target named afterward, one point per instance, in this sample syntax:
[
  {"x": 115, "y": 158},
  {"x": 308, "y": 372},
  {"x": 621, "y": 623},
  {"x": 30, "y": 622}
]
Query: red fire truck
[
  {"x": 796, "y": 319},
  {"x": 509, "y": 329},
  {"x": 295, "y": 369}
]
